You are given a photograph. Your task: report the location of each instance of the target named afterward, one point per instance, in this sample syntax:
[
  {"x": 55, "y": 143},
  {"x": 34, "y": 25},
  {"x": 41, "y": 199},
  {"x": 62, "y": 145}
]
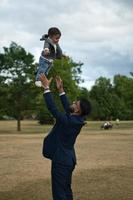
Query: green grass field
[{"x": 104, "y": 170}]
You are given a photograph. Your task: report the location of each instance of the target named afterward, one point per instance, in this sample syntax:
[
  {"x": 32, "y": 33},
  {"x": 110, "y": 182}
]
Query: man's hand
[
  {"x": 59, "y": 84},
  {"x": 45, "y": 82}
]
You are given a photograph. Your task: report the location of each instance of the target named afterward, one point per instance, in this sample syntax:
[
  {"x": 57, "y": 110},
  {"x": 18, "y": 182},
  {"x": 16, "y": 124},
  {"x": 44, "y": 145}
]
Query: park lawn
[
  {"x": 32, "y": 126},
  {"x": 104, "y": 170},
  {"x": 27, "y": 127}
]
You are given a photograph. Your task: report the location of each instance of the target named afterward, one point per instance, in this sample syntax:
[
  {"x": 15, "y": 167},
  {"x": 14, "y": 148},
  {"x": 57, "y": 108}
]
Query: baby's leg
[{"x": 44, "y": 67}]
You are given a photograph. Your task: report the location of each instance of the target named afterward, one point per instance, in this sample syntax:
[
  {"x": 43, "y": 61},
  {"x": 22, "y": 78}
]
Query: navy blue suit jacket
[{"x": 59, "y": 143}]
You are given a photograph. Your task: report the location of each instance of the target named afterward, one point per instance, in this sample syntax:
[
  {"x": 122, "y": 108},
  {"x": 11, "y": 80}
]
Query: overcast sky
[{"x": 98, "y": 33}]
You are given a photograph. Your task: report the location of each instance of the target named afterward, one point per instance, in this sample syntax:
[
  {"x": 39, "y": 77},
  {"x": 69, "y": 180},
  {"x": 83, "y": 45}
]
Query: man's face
[
  {"x": 75, "y": 107},
  {"x": 55, "y": 38}
]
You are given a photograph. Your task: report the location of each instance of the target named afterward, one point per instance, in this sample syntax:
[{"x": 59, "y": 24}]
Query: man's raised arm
[
  {"x": 63, "y": 97},
  {"x": 50, "y": 102}
]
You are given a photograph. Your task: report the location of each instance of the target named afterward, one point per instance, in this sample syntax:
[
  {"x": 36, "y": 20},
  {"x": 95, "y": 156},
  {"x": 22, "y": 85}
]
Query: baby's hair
[{"x": 54, "y": 31}]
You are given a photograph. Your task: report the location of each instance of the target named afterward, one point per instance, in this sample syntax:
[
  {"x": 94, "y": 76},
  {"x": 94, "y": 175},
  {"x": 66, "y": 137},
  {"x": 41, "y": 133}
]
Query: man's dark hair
[
  {"x": 85, "y": 106},
  {"x": 54, "y": 31}
]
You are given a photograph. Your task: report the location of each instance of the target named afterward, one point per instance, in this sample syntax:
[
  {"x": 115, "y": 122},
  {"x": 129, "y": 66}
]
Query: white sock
[{"x": 38, "y": 83}]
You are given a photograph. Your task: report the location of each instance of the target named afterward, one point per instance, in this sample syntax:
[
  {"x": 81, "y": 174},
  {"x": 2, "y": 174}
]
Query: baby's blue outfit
[
  {"x": 46, "y": 62},
  {"x": 44, "y": 67}
]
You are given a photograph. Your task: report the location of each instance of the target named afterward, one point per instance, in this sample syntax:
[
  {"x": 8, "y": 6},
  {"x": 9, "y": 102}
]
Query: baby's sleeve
[{"x": 46, "y": 45}]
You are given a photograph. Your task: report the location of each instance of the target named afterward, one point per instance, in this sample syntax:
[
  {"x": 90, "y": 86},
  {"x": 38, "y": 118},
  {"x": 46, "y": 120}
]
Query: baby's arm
[{"x": 46, "y": 50}]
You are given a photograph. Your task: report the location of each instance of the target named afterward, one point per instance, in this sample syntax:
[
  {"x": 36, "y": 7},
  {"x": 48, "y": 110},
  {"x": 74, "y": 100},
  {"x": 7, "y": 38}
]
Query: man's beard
[{"x": 71, "y": 109}]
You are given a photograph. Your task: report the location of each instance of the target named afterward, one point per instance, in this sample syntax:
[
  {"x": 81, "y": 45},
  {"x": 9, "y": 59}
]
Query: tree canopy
[{"x": 112, "y": 100}]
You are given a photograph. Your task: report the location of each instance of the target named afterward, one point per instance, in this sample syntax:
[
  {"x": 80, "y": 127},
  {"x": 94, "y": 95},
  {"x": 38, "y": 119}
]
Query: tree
[
  {"x": 17, "y": 76},
  {"x": 112, "y": 101},
  {"x": 3, "y": 94},
  {"x": 131, "y": 73},
  {"x": 123, "y": 88},
  {"x": 100, "y": 95}
]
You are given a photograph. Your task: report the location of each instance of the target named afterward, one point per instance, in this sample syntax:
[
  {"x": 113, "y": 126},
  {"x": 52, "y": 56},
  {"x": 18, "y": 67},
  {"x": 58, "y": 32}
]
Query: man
[{"x": 59, "y": 143}]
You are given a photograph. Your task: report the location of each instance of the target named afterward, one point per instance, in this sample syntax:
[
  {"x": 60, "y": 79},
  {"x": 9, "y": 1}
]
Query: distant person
[
  {"x": 107, "y": 125},
  {"x": 50, "y": 52},
  {"x": 59, "y": 143},
  {"x": 117, "y": 121}
]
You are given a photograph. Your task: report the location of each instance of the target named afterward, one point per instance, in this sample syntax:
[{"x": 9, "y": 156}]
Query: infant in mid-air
[{"x": 50, "y": 52}]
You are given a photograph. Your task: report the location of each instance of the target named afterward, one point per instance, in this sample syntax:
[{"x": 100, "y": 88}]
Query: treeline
[
  {"x": 112, "y": 100},
  {"x": 20, "y": 98}
]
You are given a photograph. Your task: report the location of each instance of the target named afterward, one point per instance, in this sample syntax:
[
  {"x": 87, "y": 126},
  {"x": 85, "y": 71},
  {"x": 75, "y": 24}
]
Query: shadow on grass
[{"x": 94, "y": 184}]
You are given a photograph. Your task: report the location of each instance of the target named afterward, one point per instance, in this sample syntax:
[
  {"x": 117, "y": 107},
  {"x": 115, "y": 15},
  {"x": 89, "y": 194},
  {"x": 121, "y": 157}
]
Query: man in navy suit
[{"x": 59, "y": 143}]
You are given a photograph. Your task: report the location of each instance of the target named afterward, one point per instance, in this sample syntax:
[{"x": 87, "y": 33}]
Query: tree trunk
[{"x": 19, "y": 124}]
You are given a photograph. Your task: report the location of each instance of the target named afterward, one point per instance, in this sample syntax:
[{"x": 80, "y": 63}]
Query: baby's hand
[{"x": 46, "y": 51}]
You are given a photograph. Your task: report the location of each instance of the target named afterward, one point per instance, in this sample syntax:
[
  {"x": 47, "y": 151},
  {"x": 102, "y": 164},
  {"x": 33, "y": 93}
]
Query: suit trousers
[{"x": 61, "y": 181}]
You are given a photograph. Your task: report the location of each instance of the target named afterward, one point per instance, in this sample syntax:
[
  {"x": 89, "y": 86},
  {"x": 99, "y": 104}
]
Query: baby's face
[{"x": 55, "y": 38}]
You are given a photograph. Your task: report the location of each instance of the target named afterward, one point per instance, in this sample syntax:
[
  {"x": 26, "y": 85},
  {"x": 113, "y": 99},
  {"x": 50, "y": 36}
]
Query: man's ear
[{"x": 77, "y": 110}]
